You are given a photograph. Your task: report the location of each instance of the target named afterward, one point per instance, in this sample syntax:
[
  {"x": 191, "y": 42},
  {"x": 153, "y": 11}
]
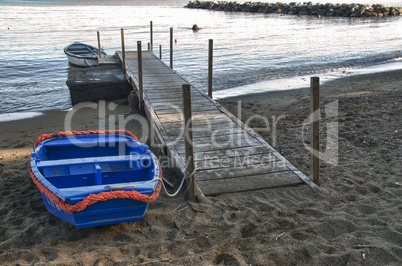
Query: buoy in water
[
  {"x": 195, "y": 27},
  {"x": 175, "y": 40}
]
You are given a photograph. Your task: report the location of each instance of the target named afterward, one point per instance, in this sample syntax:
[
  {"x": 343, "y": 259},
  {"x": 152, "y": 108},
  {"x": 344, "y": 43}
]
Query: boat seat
[
  {"x": 82, "y": 52},
  {"x": 80, "y": 47},
  {"x": 83, "y": 142},
  {"x": 78, "y": 50},
  {"x": 88, "y": 160}
]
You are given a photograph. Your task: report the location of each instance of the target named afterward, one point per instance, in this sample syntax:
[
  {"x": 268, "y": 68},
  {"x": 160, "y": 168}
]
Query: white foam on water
[{"x": 18, "y": 116}]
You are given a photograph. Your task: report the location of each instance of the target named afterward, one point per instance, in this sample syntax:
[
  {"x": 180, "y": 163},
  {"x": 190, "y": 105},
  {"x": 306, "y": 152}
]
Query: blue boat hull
[
  {"x": 118, "y": 168},
  {"x": 101, "y": 213}
]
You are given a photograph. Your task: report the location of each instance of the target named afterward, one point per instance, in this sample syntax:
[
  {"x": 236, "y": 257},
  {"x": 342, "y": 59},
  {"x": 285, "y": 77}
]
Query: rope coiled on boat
[
  {"x": 77, "y": 133},
  {"x": 93, "y": 198}
]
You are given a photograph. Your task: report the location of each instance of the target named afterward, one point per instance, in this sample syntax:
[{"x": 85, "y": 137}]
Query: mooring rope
[{"x": 186, "y": 176}]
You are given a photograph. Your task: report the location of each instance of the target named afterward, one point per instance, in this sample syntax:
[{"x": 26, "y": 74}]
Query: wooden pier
[{"x": 229, "y": 156}]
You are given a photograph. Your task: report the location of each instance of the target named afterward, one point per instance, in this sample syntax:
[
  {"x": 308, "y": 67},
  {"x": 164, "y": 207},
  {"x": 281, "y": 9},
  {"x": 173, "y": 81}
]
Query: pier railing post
[
  {"x": 99, "y": 46},
  {"x": 160, "y": 52},
  {"x": 151, "y": 36},
  {"x": 315, "y": 124},
  {"x": 171, "y": 48},
  {"x": 188, "y": 134},
  {"x": 210, "y": 64},
  {"x": 123, "y": 51},
  {"x": 140, "y": 89}
]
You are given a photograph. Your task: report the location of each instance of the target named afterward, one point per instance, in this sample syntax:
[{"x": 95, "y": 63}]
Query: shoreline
[
  {"x": 299, "y": 9},
  {"x": 300, "y": 82},
  {"x": 329, "y": 89},
  {"x": 353, "y": 220},
  {"x": 282, "y": 84}
]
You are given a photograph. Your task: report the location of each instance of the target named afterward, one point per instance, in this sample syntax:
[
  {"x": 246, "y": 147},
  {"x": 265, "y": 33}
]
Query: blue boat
[{"x": 95, "y": 178}]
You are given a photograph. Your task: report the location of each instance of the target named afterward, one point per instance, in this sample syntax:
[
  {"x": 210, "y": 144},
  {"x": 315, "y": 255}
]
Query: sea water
[{"x": 250, "y": 49}]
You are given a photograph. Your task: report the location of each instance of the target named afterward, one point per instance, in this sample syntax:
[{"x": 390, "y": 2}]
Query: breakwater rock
[{"x": 306, "y": 8}]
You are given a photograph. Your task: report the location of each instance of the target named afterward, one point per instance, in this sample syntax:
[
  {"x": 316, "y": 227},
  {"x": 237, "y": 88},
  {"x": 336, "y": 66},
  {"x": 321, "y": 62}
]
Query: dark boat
[{"x": 81, "y": 54}]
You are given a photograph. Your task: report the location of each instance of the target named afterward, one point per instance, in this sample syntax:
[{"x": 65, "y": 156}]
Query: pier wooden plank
[
  {"x": 219, "y": 141},
  {"x": 248, "y": 183},
  {"x": 177, "y": 132},
  {"x": 202, "y": 118},
  {"x": 241, "y": 171},
  {"x": 170, "y": 100},
  {"x": 217, "y": 163},
  {"x": 208, "y": 147},
  {"x": 248, "y": 150},
  {"x": 163, "y": 91},
  {"x": 230, "y": 157},
  {"x": 202, "y": 130},
  {"x": 166, "y": 108}
]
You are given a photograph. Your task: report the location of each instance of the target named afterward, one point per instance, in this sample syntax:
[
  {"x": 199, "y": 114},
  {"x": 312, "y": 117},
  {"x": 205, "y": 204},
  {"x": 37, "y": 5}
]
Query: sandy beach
[{"x": 355, "y": 219}]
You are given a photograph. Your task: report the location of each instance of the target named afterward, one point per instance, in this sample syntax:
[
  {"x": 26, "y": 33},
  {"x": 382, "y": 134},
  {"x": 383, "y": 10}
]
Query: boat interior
[
  {"x": 90, "y": 161},
  {"x": 83, "y": 50}
]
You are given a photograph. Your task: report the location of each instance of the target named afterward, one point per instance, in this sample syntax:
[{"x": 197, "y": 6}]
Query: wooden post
[
  {"x": 149, "y": 46},
  {"x": 171, "y": 48},
  {"x": 160, "y": 52},
  {"x": 210, "y": 63},
  {"x": 99, "y": 46},
  {"x": 188, "y": 133},
  {"x": 123, "y": 51},
  {"x": 151, "y": 37},
  {"x": 140, "y": 92},
  {"x": 315, "y": 124}
]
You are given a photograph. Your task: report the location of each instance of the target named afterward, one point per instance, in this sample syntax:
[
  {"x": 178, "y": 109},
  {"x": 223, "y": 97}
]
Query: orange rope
[
  {"x": 93, "y": 198},
  {"x": 76, "y": 133}
]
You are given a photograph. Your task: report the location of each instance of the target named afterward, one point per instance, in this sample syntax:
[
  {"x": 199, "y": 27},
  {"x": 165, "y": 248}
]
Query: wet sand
[{"x": 355, "y": 219}]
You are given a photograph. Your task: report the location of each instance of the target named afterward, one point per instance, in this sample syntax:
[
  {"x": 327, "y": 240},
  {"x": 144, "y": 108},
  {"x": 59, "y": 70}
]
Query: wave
[{"x": 230, "y": 80}]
